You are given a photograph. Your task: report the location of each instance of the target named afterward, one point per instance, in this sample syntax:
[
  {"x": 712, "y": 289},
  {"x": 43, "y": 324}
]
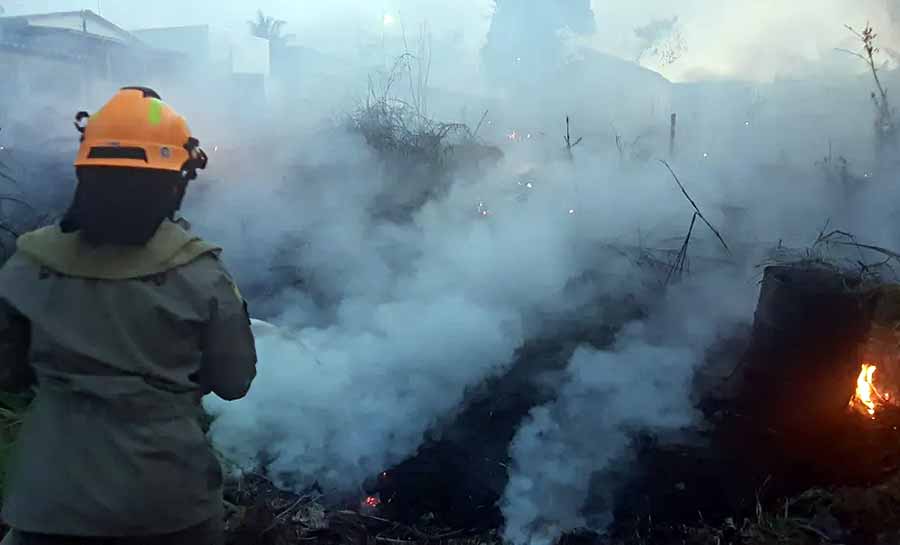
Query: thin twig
[
  {"x": 284, "y": 514},
  {"x": 9, "y": 178},
  {"x": 696, "y": 208},
  {"x": 678, "y": 265},
  {"x": 448, "y": 535},
  {"x": 847, "y": 51},
  {"x": 18, "y": 201},
  {"x": 480, "y": 122},
  {"x": 8, "y": 229},
  {"x": 372, "y": 517},
  {"x": 878, "y": 249},
  {"x": 814, "y": 530}
]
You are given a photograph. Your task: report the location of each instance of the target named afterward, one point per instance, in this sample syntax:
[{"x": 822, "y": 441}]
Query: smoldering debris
[{"x": 591, "y": 414}]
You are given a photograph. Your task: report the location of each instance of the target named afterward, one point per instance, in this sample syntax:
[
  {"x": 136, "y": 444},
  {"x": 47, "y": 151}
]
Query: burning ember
[
  {"x": 867, "y": 399},
  {"x": 372, "y": 502}
]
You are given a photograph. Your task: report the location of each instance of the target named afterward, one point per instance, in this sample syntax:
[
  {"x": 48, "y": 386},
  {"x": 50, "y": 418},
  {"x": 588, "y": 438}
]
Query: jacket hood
[{"x": 68, "y": 254}]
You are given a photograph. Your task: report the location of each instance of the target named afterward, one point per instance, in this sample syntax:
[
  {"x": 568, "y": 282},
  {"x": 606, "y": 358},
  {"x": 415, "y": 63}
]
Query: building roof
[{"x": 85, "y": 21}]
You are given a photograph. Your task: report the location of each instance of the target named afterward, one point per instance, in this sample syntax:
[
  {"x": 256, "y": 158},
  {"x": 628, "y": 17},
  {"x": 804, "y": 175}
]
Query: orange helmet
[{"x": 137, "y": 129}]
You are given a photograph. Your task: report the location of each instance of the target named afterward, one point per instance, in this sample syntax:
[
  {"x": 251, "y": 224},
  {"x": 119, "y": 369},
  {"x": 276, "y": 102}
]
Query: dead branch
[
  {"x": 371, "y": 517},
  {"x": 815, "y": 531},
  {"x": 19, "y": 202},
  {"x": 8, "y": 229},
  {"x": 851, "y": 242},
  {"x": 847, "y": 51},
  {"x": 480, "y": 123},
  {"x": 696, "y": 208},
  {"x": 568, "y": 139},
  {"x": 878, "y": 249},
  {"x": 678, "y": 264},
  {"x": 9, "y": 178},
  {"x": 285, "y": 514}
]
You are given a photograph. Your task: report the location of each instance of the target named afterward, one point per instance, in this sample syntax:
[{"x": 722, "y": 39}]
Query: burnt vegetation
[{"x": 421, "y": 155}]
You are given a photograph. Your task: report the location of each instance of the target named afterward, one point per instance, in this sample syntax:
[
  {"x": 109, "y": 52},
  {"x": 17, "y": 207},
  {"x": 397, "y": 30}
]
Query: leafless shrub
[
  {"x": 414, "y": 148},
  {"x": 885, "y": 115}
]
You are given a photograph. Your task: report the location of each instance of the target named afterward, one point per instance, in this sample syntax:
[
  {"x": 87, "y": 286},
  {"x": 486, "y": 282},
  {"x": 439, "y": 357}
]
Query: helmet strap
[
  {"x": 197, "y": 159},
  {"x": 81, "y": 119}
]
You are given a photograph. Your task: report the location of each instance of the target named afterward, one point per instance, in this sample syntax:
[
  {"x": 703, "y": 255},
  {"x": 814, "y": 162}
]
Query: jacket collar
[{"x": 68, "y": 254}]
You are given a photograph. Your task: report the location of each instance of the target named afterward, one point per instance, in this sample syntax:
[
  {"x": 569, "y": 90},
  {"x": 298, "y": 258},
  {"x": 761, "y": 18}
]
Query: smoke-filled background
[{"x": 394, "y": 286}]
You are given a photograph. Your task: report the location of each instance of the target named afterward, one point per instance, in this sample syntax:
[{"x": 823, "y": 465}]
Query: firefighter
[{"x": 120, "y": 320}]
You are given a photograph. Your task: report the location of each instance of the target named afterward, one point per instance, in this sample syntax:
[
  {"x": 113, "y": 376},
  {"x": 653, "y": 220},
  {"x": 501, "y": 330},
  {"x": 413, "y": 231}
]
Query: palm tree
[{"x": 269, "y": 28}]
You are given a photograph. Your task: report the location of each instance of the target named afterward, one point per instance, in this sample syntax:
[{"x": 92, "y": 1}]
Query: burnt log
[
  {"x": 794, "y": 383},
  {"x": 784, "y": 417},
  {"x": 800, "y": 369},
  {"x": 780, "y": 422}
]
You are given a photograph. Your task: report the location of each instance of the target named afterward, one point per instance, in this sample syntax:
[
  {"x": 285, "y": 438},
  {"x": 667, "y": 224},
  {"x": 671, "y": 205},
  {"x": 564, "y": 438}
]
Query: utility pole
[{"x": 672, "y": 122}]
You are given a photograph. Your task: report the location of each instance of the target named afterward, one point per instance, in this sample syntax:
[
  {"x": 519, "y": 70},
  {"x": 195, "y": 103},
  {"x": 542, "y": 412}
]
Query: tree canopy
[{"x": 269, "y": 28}]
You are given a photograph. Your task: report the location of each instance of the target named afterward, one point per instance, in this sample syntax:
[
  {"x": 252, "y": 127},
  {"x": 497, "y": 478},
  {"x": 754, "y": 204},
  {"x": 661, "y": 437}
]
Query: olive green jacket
[{"x": 121, "y": 343}]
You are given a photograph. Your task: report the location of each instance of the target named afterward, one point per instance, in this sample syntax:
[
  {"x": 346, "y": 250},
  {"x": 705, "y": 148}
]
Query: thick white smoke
[
  {"x": 409, "y": 315},
  {"x": 384, "y": 325},
  {"x": 643, "y": 383},
  {"x": 337, "y": 405}
]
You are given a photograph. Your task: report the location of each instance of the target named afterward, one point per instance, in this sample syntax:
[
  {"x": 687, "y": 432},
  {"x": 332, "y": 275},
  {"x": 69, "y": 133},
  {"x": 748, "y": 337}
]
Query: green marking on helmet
[{"x": 156, "y": 111}]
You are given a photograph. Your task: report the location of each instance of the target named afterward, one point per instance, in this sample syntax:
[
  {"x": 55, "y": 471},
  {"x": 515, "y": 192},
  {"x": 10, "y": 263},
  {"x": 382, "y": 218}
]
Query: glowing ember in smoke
[
  {"x": 372, "y": 501},
  {"x": 867, "y": 399}
]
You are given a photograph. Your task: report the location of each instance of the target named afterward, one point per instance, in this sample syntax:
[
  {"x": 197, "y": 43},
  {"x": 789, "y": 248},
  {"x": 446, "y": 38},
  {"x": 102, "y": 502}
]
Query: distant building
[
  {"x": 71, "y": 55},
  {"x": 229, "y": 70},
  {"x": 216, "y": 52},
  {"x": 193, "y": 40},
  {"x": 56, "y": 64}
]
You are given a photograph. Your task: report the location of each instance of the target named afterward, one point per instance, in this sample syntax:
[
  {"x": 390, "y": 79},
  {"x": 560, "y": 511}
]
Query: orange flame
[{"x": 867, "y": 399}]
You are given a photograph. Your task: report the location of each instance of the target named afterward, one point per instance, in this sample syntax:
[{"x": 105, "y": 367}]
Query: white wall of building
[{"x": 84, "y": 21}]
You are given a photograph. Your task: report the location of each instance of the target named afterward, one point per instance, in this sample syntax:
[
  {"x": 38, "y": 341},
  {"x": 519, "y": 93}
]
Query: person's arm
[
  {"x": 229, "y": 350},
  {"x": 16, "y": 373}
]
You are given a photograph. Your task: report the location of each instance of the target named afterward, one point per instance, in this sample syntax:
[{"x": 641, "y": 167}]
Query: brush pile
[{"x": 421, "y": 156}]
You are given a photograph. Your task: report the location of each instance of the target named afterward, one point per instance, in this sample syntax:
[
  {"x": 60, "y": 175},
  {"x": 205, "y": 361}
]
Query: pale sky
[{"x": 755, "y": 39}]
